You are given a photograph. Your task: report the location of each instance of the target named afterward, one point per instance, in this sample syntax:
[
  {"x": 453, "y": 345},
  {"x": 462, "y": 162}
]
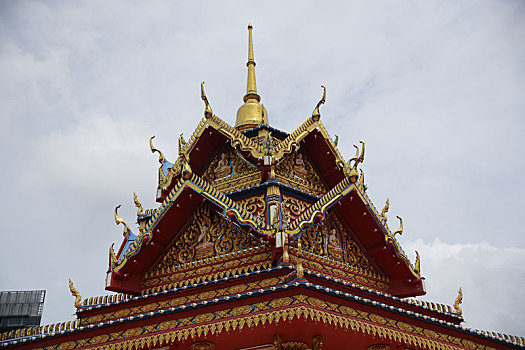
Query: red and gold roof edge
[{"x": 289, "y": 302}]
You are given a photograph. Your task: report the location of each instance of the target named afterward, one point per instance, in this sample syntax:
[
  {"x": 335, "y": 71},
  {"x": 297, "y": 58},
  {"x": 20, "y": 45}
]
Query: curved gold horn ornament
[
  {"x": 356, "y": 157},
  {"x": 400, "y": 229},
  {"x": 140, "y": 209},
  {"x": 361, "y": 158},
  {"x": 207, "y": 109},
  {"x": 153, "y": 150},
  {"x": 118, "y": 221},
  {"x": 316, "y": 114}
]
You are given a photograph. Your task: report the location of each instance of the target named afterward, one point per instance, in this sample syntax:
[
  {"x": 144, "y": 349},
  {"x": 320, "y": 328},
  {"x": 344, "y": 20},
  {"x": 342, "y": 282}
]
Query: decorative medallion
[{"x": 202, "y": 345}]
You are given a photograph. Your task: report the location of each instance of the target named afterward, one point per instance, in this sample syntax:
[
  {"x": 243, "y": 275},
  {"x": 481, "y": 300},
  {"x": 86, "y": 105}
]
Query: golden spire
[
  {"x": 251, "y": 87},
  {"x": 251, "y": 113}
]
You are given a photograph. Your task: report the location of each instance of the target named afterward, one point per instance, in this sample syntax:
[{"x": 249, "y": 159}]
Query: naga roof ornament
[
  {"x": 316, "y": 114},
  {"x": 357, "y": 159},
  {"x": 140, "y": 209},
  {"x": 118, "y": 221},
  {"x": 400, "y": 229},
  {"x": 458, "y": 301},
  {"x": 207, "y": 110},
  {"x": 385, "y": 210},
  {"x": 75, "y": 293}
]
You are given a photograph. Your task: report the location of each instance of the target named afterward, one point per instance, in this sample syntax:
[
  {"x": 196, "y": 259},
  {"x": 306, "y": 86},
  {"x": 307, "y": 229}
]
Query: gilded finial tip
[{"x": 250, "y": 26}]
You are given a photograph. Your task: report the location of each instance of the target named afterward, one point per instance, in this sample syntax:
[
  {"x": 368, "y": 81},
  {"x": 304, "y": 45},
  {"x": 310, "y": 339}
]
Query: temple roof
[
  {"x": 258, "y": 226},
  {"x": 434, "y": 319}
]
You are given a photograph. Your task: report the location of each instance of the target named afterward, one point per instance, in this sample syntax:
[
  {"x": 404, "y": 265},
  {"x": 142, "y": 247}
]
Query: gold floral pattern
[
  {"x": 297, "y": 306},
  {"x": 255, "y": 205},
  {"x": 292, "y": 206},
  {"x": 224, "y": 236},
  {"x": 235, "y": 171},
  {"x": 303, "y": 176}
]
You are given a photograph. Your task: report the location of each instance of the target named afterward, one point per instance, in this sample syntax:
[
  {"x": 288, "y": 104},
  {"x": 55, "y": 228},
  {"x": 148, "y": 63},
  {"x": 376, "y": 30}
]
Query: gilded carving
[
  {"x": 295, "y": 170},
  {"x": 332, "y": 243},
  {"x": 202, "y": 345},
  {"x": 227, "y": 163},
  {"x": 299, "y": 168},
  {"x": 312, "y": 240},
  {"x": 459, "y": 300},
  {"x": 208, "y": 234},
  {"x": 223, "y": 167},
  {"x": 261, "y": 313},
  {"x": 255, "y": 205},
  {"x": 292, "y": 206},
  {"x": 353, "y": 253}
]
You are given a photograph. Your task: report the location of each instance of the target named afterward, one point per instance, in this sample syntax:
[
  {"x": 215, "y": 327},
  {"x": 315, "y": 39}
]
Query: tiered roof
[{"x": 258, "y": 227}]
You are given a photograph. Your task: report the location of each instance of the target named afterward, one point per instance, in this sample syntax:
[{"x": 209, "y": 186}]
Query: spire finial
[
  {"x": 251, "y": 87},
  {"x": 251, "y": 113}
]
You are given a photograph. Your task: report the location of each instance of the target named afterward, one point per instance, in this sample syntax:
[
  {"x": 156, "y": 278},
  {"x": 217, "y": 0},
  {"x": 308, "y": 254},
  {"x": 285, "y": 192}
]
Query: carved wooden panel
[
  {"x": 295, "y": 170},
  {"x": 209, "y": 234},
  {"x": 293, "y": 207},
  {"x": 316, "y": 240},
  {"x": 229, "y": 171},
  {"x": 255, "y": 205}
]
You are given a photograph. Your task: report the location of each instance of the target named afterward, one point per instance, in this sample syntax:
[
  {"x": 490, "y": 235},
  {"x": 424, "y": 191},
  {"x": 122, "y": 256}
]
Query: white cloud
[{"x": 491, "y": 279}]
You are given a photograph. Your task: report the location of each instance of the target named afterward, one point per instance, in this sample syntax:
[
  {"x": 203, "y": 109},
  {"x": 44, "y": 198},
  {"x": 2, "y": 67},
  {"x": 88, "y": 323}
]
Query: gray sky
[{"x": 435, "y": 89}]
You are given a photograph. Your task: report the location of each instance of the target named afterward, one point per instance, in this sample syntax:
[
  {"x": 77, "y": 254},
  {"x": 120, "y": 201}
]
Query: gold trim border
[{"x": 276, "y": 316}]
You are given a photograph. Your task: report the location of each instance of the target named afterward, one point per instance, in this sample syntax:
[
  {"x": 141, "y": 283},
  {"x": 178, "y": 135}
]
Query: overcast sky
[{"x": 436, "y": 89}]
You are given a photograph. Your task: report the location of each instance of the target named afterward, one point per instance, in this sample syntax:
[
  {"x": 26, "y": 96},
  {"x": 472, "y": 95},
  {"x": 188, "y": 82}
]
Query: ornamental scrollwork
[
  {"x": 209, "y": 234},
  {"x": 293, "y": 207},
  {"x": 254, "y": 205},
  {"x": 312, "y": 240}
]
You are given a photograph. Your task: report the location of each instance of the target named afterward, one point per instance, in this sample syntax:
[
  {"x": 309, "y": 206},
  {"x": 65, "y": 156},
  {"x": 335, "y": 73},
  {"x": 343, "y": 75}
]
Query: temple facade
[{"x": 262, "y": 239}]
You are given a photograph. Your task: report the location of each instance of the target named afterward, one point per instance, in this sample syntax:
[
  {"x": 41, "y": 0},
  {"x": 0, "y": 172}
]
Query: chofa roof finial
[
  {"x": 400, "y": 229},
  {"x": 316, "y": 115},
  {"x": 118, "y": 220},
  {"x": 207, "y": 111}
]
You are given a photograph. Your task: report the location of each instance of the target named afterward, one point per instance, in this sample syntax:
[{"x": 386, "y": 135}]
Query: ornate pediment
[
  {"x": 296, "y": 170},
  {"x": 229, "y": 171},
  {"x": 330, "y": 239},
  {"x": 209, "y": 234}
]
